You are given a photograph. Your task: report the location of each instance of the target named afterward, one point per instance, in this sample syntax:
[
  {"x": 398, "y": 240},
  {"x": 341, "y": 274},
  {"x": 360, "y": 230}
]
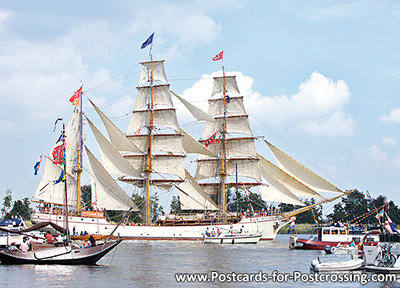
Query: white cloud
[
  {"x": 370, "y": 158},
  {"x": 388, "y": 141},
  {"x": 392, "y": 117},
  {"x": 317, "y": 108},
  {"x": 3, "y": 17},
  {"x": 338, "y": 124},
  {"x": 356, "y": 10}
]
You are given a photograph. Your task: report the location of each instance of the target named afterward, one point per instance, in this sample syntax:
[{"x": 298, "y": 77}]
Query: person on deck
[
  {"x": 12, "y": 247},
  {"x": 49, "y": 238},
  {"x": 24, "y": 247},
  {"x": 92, "y": 240}
]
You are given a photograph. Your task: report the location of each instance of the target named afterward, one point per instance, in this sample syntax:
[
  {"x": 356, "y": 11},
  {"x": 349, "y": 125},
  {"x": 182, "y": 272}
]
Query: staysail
[{"x": 106, "y": 193}]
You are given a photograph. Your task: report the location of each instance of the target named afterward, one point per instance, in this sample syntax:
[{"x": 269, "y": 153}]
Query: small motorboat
[
  {"x": 354, "y": 264},
  {"x": 340, "y": 250},
  {"x": 231, "y": 237}
]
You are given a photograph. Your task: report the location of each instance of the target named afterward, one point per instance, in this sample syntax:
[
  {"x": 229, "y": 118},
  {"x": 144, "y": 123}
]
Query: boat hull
[
  {"x": 59, "y": 255},
  {"x": 351, "y": 265},
  {"x": 250, "y": 239},
  {"x": 268, "y": 226}
]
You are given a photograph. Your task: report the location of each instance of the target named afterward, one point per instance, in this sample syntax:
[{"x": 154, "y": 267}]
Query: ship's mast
[
  {"x": 65, "y": 187},
  {"x": 149, "y": 163},
  {"x": 79, "y": 168},
  {"x": 223, "y": 160}
]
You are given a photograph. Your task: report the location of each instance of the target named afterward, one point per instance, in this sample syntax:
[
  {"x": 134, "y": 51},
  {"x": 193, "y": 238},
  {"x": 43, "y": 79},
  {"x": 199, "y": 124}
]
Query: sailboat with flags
[{"x": 151, "y": 155}]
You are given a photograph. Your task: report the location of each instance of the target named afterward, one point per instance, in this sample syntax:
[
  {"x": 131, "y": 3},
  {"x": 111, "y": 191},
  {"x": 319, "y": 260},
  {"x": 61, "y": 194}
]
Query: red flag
[
  {"x": 219, "y": 56},
  {"x": 58, "y": 154},
  {"x": 211, "y": 139},
  {"x": 75, "y": 98}
]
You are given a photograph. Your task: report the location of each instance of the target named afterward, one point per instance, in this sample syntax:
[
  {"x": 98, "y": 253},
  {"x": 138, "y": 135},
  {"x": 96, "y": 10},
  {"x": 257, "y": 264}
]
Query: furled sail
[
  {"x": 158, "y": 72},
  {"x": 106, "y": 193},
  {"x": 192, "y": 196},
  {"x": 196, "y": 112},
  {"x": 113, "y": 162},
  {"x": 55, "y": 193},
  {"x": 295, "y": 186},
  {"x": 117, "y": 138},
  {"x": 301, "y": 172}
]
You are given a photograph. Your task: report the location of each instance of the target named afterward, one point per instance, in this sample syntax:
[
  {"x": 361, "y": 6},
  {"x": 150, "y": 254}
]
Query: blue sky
[{"x": 321, "y": 78}]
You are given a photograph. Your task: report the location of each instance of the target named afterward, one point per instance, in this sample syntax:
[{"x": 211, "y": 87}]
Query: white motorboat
[
  {"x": 340, "y": 250},
  {"x": 350, "y": 265}
]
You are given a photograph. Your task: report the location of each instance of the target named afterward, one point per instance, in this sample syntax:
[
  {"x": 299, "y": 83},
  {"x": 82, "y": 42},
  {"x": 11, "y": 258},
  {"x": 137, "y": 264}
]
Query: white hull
[
  {"x": 233, "y": 239},
  {"x": 350, "y": 265},
  {"x": 268, "y": 226}
]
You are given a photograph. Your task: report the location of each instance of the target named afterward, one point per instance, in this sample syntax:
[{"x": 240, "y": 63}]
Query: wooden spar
[
  {"x": 79, "y": 171},
  {"x": 149, "y": 163},
  {"x": 223, "y": 172},
  {"x": 65, "y": 189},
  {"x": 307, "y": 208}
]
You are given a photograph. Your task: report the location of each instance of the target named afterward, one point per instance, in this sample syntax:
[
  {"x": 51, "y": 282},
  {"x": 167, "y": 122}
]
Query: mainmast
[{"x": 149, "y": 163}]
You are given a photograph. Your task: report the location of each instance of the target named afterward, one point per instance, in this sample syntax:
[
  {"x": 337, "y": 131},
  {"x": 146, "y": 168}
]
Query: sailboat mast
[
  {"x": 65, "y": 188},
  {"x": 149, "y": 163},
  {"x": 223, "y": 160},
  {"x": 79, "y": 171}
]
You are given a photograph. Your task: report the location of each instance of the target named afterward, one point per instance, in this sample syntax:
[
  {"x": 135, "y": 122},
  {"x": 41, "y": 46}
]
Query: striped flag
[
  {"x": 292, "y": 225},
  {"x": 37, "y": 165}
]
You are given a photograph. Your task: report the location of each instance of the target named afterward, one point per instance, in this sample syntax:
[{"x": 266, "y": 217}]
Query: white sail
[
  {"x": 160, "y": 142},
  {"x": 106, "y": 193},
  {"x": 191, "y": 145},
  {"x": 276, "y": 191},
  {"x": 113, "y": 162},
  {"x": 230, "y": 85},
  {"x": 162, "y": 164},
  {"x": 234, "y": 106},
  {"x": 300, "y": 172},
  {"x": 295, "y": 186},
  {"x": 192, "y": 196},
  {"x": 72, "y": 136},
  {"x": 196, "y": 112},
  {"x": 211, "y": 167},
  {"x": 165, "y": 117},
  {"x": 117, "y": 138},
  {"x": 55, "y": 193},
  {"x": 161, "y": 96},
  {"x": 158, "y": 72},
  {"x": 234, "y": 124}
]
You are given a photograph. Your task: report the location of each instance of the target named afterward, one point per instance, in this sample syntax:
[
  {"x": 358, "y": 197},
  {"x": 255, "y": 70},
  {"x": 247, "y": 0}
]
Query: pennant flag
[
  {"x": 147, "y": 42},
  {"x": 390, "y": 226},
  {"x": 379, "y": 215},
  {"x": 75, "y": 98},
  {"x": 37, "y": 165},
  {"x": 211, "y": 139},
  {"x": 368, "y": 197},
  {"x": 55, "y": 124},
  {"x": 94, "y": 203},
  {"x": 61, "y": 138},
  {"x": 292, "y": 225},
  {"x": 58, "y": 153},
  {"x": 218, "y": 56},
  {"x": 61, "y": 178}
]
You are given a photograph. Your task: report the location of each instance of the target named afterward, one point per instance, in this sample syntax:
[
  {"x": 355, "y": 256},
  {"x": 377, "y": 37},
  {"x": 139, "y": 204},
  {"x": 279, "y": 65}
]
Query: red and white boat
[{"x": 331, "y": 236}]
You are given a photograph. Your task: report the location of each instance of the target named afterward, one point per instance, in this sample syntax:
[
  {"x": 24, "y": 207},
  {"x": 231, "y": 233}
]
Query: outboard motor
[{"x": 328, "y": 249}]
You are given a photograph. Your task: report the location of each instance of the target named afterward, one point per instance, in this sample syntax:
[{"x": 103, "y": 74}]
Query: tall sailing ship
[{"x": 151, "y": 155}]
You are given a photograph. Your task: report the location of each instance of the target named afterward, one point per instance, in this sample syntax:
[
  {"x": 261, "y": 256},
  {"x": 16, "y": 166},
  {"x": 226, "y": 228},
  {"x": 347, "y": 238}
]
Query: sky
[{"x": 320, "y": 78}]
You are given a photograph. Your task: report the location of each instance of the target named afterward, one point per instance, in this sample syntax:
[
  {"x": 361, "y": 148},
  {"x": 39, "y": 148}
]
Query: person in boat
[
  {"x": 73, "y": 231},
  {"x": 59, "y": 240},
  {"x": 87, "y": 244},
  {"x": 207, "y": 232},
  {"x": 218, "y": 232},
  {"x": 24, "y": 247},
  {"x": 13, "y": 247},
  {"x": 49, "y": 238},
  {"x": 352, "y": 244},
  {"x": 92, "y": 240}
]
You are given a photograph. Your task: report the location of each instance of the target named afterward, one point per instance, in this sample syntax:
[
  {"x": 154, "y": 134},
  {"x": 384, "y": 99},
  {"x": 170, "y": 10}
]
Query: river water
[{"x": 154, "y": 264}]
